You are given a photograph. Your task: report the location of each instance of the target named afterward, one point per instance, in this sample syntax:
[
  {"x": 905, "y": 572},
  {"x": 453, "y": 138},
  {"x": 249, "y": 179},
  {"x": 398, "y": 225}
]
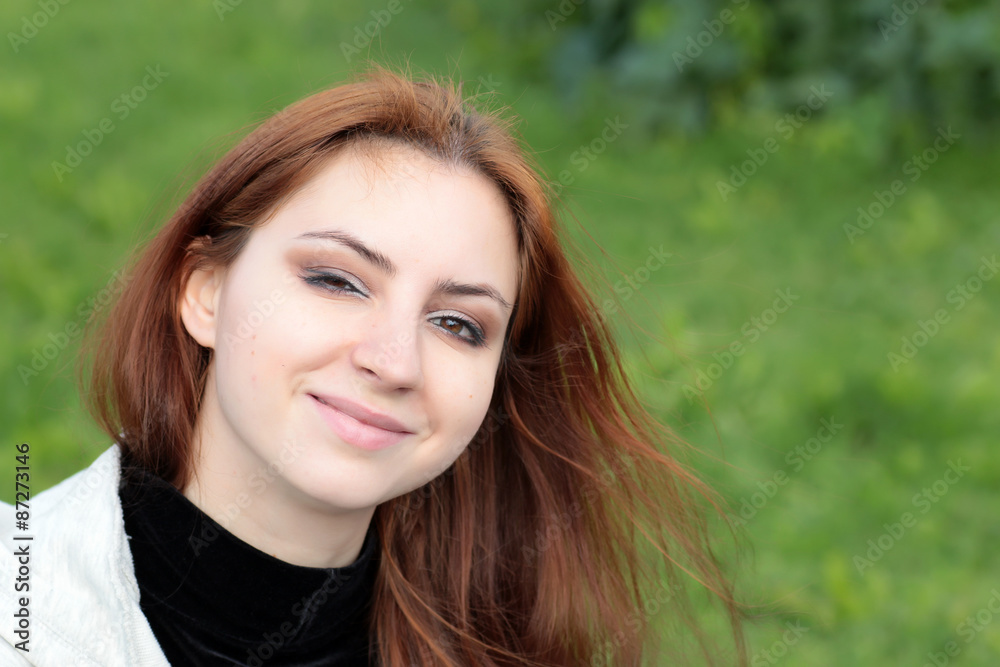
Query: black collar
[{"x": 212, "y": 599}]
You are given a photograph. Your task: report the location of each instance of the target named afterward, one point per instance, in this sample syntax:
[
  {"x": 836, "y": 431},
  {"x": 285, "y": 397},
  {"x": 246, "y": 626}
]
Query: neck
[{"x": 243, "y": 494}]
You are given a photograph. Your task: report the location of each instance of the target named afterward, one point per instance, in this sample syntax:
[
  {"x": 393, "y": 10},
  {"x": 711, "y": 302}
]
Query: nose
[{"x": 387, "y": 352}]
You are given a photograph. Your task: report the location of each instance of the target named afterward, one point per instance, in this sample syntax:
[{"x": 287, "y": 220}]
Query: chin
[{"x": 337, "y": 485}]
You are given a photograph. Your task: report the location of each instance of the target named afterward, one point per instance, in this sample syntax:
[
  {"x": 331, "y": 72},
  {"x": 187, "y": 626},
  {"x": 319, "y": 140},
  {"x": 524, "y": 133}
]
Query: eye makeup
[{"x": 337, "y": 283}]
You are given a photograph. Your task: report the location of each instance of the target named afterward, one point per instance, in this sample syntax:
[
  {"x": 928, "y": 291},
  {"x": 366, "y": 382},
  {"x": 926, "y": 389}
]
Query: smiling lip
[{"x": 359, "y": 425}]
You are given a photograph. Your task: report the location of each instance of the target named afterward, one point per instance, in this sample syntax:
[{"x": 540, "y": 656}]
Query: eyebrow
[{"x": 384, "y": 264}]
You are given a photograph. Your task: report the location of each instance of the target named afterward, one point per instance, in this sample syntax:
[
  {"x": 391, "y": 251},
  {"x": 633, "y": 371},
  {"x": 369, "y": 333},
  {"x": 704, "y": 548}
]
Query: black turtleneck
[{"x": 212, "y": 599}]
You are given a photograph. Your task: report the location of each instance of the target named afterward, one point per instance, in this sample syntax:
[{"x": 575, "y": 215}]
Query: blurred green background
[{"x": 821, "y": 177}]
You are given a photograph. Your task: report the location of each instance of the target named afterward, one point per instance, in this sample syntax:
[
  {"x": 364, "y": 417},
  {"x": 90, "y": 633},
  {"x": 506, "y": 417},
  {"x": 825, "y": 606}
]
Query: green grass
[{"x": 826, "y": 357}]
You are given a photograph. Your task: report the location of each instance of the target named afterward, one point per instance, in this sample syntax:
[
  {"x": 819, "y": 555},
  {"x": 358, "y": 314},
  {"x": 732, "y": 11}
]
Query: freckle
[
  {"x": 470, "y": 395},
  {"x": 252, "y": 352},
  {"x": 253, "y": 378},
  {"x": 254, "y": 337}
]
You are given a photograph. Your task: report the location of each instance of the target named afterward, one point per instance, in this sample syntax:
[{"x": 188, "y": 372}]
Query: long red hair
[{"x": 566, "y": 532}]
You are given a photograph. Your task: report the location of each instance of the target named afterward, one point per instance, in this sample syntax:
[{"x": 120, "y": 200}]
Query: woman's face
[{"x": 357, "y": 335}]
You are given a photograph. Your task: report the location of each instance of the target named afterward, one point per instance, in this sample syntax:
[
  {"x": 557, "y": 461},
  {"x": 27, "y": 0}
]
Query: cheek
[
  {"x": 255, "y": 337},
  {"x": 463, "y": 406}
]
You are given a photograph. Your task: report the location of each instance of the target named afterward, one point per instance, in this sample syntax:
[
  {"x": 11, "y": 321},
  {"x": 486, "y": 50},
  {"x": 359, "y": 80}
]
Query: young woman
[{"x": 364, "y": 412}]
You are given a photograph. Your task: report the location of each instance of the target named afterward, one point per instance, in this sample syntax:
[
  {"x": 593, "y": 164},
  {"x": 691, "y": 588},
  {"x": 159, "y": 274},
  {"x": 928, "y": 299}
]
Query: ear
[{"x": 199, "y": 304}]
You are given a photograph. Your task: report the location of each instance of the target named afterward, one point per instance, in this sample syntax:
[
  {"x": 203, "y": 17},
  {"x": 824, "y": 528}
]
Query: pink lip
[{"x": 358, "y": 425}]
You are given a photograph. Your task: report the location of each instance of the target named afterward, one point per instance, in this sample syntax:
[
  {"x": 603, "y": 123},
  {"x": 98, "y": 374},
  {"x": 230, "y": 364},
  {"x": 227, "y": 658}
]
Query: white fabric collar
[{"x": 83, "y": 598}]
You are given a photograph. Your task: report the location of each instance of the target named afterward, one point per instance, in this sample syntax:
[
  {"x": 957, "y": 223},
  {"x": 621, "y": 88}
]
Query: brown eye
[
  {"x": 330, "y": 281},
  {"x": 455, "y": 325},
  {"x": 336, "y": 281}
]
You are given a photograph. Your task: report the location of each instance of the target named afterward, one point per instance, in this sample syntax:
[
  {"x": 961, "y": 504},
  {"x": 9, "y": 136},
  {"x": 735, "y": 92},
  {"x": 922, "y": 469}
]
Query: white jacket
[{"x": 83, "y": 599}]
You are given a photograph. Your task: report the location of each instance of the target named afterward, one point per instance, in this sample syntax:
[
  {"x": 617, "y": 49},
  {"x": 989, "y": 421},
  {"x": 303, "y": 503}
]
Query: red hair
[{"x": 563, "y": 523}]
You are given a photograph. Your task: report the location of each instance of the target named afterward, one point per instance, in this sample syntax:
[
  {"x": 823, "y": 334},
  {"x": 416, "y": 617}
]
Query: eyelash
[{"x": 324, "y": 280}]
